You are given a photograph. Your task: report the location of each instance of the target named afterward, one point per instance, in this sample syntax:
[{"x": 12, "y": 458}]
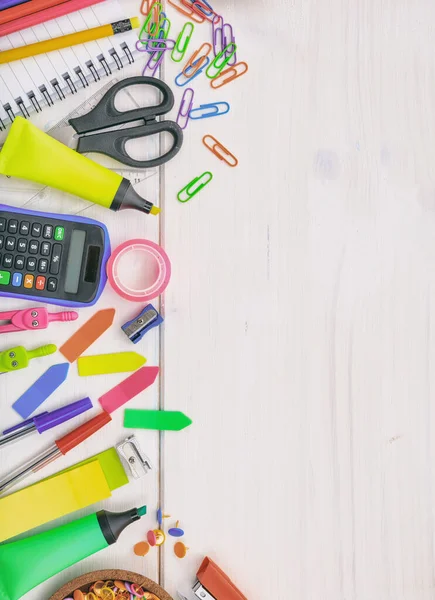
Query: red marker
[{"x": 130, "y": 388}]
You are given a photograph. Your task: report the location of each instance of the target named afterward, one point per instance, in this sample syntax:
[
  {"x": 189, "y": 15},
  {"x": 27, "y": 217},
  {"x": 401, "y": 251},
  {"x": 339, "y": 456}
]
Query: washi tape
[{"x": 159, "y": 269}]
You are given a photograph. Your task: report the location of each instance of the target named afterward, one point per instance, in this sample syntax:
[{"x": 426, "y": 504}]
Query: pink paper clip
[{"x": 185, "y": 113}]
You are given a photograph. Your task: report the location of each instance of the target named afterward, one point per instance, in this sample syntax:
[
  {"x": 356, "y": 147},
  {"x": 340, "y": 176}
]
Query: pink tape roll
[{"x": 151, "y": 250}]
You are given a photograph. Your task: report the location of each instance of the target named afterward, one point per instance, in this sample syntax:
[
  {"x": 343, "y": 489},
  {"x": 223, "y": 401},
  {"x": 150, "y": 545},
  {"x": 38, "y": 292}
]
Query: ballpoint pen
[
  {"x": 112, "y": 400},
  {"x": 45, "y": 421}
]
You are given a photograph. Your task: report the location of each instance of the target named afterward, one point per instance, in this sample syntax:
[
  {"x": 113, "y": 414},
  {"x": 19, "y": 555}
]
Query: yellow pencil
[{"x": 65, "y": 41}]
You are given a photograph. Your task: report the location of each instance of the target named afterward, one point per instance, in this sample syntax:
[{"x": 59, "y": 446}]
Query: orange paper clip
[
  {"x": 219, "y": 150},
  {"x": 145, "y": 7},
  {"x": 186, "y": 11},
  {"x": 229, "y": 75},
  {"x": 198, "y": 59}
]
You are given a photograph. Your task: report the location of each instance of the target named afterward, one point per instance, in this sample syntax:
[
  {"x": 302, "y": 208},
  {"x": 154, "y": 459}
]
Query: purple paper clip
[
  {"x": 228, "y": 40},
  {"x": 185, "y": 114},
  {"x": 154, "y": 62},
  {"x": 164, "y": 44},
  {"x": 218, "y": 31},
  {"x": 189, "y": 79}
]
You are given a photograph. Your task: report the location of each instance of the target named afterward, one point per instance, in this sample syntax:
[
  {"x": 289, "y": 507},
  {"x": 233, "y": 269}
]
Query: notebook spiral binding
[{"x": 56, "y": 89}]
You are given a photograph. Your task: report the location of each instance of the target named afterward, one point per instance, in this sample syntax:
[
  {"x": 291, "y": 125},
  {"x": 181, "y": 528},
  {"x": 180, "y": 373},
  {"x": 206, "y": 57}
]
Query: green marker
[
  {"x": 18, "y": 358},
  {"x": 26, "y": 563},
  {"x": 162, "y": 420}
]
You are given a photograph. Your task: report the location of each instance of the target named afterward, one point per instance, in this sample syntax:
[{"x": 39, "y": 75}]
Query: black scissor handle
[
  {"x": 106, "y": 115},
  {"x": 113, "y": 143}
]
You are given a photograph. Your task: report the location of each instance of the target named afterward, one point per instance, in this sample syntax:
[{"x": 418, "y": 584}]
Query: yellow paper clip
[
  {"x": 194, "y": 186},
  {"x": 182, "y": 42},
  {"x": 229, "y": 75},
  {"x": 219, "y": 150},
  {"x": 198, "y": 58}
]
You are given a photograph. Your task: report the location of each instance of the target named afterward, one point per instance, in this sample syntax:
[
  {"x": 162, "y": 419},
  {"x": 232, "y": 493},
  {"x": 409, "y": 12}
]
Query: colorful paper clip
[
  {"x": 187, "y": 12},
  {"x": 154, "y": 62},
  {"x": 184, "y": 114},
  {"x": 189, "y": 77},
  {"x": 145, "y": 7},
  {"x": 198, "y": 58},
  {"x": 217, "y": 111},
  {"x": 150, "y": 26},
  {"x": 229, "y": 75},
  {"x": 195, "y": 186},
  {"x": 227, "y": 41},
  {"x": 143, "y": 45},
  {"x": 183, "y": 40},
  {"x": 219, "y": 150},
  {"x": 217, "y": 65},
  {"x": 201, "y": 8},
  {"x": 218, "y": 32}
]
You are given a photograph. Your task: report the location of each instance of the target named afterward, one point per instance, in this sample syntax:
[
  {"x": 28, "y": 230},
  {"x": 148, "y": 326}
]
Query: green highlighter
[{"x": 28, "y": 562}]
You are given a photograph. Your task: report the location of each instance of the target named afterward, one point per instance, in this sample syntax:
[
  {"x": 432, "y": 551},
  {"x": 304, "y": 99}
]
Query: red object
[
  {"x": 217, "y": 583},
  {"x": 128, "y": 389},
  {"x": 82, "y": 433},
  {"x": 40, "y": 282},
  {"x": 46, "y": 11}
]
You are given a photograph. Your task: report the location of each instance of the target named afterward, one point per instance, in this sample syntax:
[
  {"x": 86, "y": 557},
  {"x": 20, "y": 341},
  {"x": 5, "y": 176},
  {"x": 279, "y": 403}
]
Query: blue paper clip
[
  {"x": 189, "y": 79},
  {"x": 216, "y": 112},
  {"x": 140, "y": 325}
]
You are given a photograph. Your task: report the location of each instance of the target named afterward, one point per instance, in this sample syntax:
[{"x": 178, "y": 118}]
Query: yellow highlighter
[
  {"x": 29, "y": 153},
  {"x": 71, "y": 39}
]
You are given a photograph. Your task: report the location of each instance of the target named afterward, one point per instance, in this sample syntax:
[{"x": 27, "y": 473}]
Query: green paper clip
[
  {"x": 184, "y": 38},
  {"x": 218, "y": 64},
  {"x": 152, "y": 28},
  {"x": 195, "y": 186},
  {"x": 160, "y": 420}
]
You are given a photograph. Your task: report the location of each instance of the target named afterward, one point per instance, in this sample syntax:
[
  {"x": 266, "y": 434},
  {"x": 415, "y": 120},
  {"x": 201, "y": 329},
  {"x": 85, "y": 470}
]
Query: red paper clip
[
  {"x": 229, "y": 75},
  {"x": 178, "y": 5},
  {"x": 224, "y": 153},
  {"x": 198, "y": 59}
]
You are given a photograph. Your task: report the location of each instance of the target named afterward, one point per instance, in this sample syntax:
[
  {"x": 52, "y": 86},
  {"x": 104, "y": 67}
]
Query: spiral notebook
[{"x": 36, "y": 83}]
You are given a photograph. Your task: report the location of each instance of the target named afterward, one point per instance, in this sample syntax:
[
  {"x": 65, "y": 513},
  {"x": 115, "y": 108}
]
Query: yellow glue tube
[{"x": 29, "y": 153}]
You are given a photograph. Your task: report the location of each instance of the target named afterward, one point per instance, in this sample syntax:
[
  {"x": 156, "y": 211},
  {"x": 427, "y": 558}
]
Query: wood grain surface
[{"x": 299, "y": 331}]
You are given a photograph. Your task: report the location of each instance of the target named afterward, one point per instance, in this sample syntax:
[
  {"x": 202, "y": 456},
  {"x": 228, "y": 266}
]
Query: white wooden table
[{"x": 299, "y": 332}]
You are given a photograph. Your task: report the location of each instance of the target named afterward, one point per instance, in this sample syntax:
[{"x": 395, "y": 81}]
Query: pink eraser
[{"x": 128, "y": 389}]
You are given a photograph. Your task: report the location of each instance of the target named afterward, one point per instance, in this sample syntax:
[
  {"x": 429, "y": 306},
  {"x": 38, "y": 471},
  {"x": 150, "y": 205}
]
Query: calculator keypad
[{"x": 43, "y": 257}]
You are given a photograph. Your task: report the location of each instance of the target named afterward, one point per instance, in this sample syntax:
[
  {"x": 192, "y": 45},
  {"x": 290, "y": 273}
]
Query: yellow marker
[
  {"x": 72, "y": 39},
  {"x": 104, "y": 364}
]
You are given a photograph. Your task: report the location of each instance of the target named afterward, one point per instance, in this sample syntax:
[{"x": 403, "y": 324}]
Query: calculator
[{"x": 47, "y": 257}]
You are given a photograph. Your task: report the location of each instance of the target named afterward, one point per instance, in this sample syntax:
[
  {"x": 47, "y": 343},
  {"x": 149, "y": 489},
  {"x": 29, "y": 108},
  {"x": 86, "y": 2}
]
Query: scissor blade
[{"x": 66, "y": 135}]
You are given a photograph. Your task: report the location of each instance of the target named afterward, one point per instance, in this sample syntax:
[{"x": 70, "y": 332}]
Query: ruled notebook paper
[{"x": 35, "y": 83}]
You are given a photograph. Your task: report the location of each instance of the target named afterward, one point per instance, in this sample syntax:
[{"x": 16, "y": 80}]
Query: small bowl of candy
[{"x": 113, "y": 584}]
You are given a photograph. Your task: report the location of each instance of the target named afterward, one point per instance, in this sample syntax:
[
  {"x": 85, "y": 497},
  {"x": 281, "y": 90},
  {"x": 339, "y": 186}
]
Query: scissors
[{"x": 101, "y": 130}]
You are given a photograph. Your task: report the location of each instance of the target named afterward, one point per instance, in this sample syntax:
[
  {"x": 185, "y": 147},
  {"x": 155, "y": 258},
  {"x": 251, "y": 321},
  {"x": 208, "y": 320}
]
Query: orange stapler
[{"x": 213, "y": 584}]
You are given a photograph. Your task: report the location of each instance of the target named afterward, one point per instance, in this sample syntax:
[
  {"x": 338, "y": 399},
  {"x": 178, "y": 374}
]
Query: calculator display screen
[{"x": 74, "y": 261}]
